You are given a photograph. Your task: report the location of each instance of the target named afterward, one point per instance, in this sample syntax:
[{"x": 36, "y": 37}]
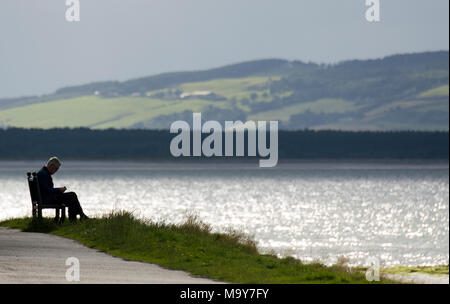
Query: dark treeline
[{"x": 29, "y": 144}]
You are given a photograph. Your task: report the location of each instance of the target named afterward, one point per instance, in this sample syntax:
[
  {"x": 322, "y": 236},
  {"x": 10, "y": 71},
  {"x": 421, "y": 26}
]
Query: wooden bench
[{"x": 36, "y": 200}]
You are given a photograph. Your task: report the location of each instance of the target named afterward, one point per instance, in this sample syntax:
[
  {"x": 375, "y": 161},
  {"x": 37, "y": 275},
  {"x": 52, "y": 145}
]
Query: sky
[{"x": 40, "y": 51}]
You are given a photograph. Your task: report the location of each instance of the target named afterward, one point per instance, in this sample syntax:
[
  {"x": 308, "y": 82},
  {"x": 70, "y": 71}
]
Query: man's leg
[{"x": 70, "y": 199}]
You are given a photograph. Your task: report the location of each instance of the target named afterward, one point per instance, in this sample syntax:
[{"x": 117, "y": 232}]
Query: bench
[{"x": 36, "y": 200}]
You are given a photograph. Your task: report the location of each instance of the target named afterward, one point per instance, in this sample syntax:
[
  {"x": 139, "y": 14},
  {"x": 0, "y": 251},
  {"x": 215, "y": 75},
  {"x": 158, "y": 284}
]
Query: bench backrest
[{"x": 33, "y": 185}]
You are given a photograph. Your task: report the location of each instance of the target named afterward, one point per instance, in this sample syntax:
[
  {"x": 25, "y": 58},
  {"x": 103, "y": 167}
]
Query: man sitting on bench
[{"x": 56, "y": 196}]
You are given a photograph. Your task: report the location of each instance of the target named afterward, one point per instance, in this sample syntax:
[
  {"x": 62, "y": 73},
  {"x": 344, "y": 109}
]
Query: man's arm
[{"x": 46, "y": 184}]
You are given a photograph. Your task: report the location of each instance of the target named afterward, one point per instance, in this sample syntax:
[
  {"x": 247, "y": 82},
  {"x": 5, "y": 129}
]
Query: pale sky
[{"x": 121, "y": 39}]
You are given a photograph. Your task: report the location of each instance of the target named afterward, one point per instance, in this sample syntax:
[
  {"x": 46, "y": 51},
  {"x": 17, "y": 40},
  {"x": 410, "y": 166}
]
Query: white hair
[{"x": 53, "y": 161}]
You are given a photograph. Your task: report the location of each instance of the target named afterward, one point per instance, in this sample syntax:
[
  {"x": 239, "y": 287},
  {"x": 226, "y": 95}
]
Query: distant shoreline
[
  {"x": 237, "y": 163},
  {"x": 147, "y": 145}
]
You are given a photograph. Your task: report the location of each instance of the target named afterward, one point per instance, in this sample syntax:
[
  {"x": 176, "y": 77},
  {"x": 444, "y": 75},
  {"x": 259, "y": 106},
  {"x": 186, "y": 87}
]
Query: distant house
[
  {"x": 202, "y": 95},
  {"x": 195, "y": 94}
]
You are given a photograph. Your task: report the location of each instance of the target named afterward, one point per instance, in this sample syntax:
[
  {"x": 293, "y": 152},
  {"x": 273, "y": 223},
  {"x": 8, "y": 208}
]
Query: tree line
[{"x": 114, "y": 144}]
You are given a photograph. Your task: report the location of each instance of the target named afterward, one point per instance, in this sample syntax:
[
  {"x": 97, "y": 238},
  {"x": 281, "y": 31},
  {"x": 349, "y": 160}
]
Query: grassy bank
[
  {"x": 192, "y": 247},
  {"x": 432, "y": 270}
]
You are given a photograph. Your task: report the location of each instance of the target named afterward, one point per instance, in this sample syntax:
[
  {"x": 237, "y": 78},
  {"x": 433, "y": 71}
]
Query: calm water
[{"x": 397, "y": 213}]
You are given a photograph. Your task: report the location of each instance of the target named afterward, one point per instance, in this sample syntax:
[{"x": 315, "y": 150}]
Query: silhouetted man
[{"x": 56, "y": 196}]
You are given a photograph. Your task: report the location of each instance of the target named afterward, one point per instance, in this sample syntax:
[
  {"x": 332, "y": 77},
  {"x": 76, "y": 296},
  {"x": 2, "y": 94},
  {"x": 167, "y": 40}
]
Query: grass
[
  {"x": 243, "y": 93},
  {"x": 98, "y": 113},
  {"x": 433, "y": 270},
  {"x": 238, "y": 88},
  {"x": 394, "y": 106},
  {"x": 325, "y": 106},
  {"x": 124, "y": 112},
  {"x": 192, "y": 247},
  {"x": 442, "y": 91}
]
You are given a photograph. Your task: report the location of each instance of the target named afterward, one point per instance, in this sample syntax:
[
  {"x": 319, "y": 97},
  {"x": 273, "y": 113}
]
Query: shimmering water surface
[{"x": 398, "y": 213}]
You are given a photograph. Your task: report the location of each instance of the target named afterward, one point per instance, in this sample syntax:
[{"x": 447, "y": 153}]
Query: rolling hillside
[{"x": 401, "y": 92}]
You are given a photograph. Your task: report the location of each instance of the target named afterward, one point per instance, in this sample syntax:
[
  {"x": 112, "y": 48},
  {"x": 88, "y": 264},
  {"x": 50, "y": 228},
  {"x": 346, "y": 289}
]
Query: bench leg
[
  {"x": 63, "y": 214},
  {"x": 56, "y": 220}
]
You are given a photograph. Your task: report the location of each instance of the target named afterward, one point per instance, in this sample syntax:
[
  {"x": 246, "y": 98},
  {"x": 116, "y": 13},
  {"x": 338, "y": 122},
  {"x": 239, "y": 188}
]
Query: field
[
  {"x": 348, "y": 96},
  {"x": 325, "y": 106},
  {"x": 98, "y": 113}
]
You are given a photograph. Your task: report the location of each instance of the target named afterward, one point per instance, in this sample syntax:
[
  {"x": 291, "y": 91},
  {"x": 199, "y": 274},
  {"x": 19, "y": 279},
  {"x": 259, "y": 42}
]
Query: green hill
[{"x": 409, "y": 91}]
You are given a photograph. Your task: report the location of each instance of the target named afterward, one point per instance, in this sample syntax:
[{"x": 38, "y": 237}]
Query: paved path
[{"x": 41, "y": 258}]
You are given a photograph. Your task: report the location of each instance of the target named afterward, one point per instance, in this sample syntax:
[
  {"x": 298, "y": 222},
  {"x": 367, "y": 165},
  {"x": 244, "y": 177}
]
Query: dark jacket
[{"x": 48, "y": 192}]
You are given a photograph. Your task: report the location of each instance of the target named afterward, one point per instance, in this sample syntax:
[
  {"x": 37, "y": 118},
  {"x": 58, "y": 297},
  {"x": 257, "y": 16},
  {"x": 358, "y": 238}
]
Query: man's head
[{"x": 53, "y": 165}]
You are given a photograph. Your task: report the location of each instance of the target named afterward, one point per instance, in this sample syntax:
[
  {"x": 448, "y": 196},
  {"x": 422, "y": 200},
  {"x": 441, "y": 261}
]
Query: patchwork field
[
  {"x": 411, "y": 94},
  {"x": 98, "y": 113},
  {"x": 325, "y": 106}
]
